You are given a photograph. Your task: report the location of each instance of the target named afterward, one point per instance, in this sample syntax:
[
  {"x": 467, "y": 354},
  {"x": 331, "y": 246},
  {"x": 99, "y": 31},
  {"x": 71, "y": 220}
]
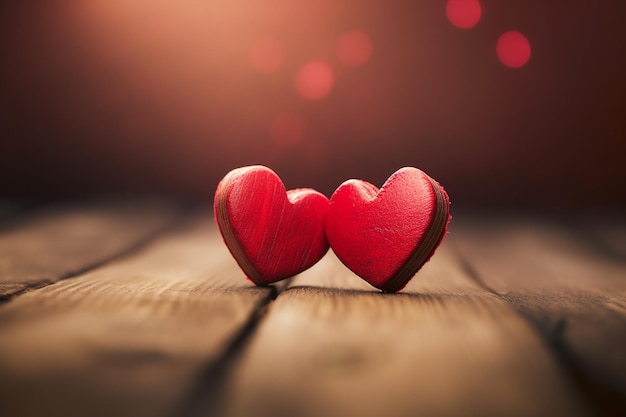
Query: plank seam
[
  {"x": 206, "y": 396},
  {"x": 469, "y": 270},
  {"x": 125, "y": 252},
  {"x": 601, "y": 399}
]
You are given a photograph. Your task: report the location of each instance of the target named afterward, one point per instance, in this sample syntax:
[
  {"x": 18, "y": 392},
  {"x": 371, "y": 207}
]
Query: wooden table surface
[{"x": 137, "y": 309}]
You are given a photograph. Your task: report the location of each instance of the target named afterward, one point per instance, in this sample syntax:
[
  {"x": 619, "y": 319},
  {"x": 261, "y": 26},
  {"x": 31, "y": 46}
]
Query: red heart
[
  {"x": 386, "y": 236},
  {"x": 272, "y": 233}
]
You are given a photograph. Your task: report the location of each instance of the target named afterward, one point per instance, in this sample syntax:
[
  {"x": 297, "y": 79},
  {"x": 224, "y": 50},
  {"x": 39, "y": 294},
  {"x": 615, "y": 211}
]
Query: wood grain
[
  {"x": 127, "y": 339},
  {"x": 330, "y": 346},
  {"x": 575, "y": 296},
  {"x": 53, "y": 243}
]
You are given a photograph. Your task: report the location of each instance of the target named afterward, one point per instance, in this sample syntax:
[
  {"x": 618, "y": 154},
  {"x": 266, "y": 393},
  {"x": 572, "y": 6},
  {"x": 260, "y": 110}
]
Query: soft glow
[
  {"x": 354, "y": 48},
  {"x": 463, "y": 14},
  {"x": 267, "y": 55},
  {"x": 513, "y": 49},
  {"x": 316, "y": 151},
  {"x": 315, "y": 80},
  {"x": 287, "y": 129}
]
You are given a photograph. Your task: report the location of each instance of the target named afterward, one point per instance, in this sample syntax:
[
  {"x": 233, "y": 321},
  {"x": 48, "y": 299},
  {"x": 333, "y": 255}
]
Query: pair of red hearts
[{"x": 384, "y": 236}]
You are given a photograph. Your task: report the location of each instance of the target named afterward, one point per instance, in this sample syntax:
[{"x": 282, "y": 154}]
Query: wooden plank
[
  {"x": 607, "y": 230},
  {"x": 332, "y": 346},
  {"x": 575, "y": 296},
  {"x": 129, "y": 338},
  {"x": 54, "y": 243}
]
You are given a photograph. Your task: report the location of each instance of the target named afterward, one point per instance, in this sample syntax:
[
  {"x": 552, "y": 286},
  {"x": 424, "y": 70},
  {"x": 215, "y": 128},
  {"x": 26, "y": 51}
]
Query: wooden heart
[
  {"x": 385, "y": 236},
  {"x": 272, "y": 233}
]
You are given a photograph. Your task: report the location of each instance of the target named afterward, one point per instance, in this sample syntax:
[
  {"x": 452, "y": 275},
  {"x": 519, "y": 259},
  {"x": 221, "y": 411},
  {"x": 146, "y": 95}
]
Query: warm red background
[{"x": 143, "y": 96}]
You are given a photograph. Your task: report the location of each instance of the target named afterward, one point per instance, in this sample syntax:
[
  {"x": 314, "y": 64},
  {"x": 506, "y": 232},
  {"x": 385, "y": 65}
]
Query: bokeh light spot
[
  {"x": 267, "y": 55},
  {"x": 463, "y": 14},
  {"x": 287, "y": 129},
  {"x": 354, "y": 48},
  {"x": 314, "y": 80},
  {"x": 513, "y": 49}
]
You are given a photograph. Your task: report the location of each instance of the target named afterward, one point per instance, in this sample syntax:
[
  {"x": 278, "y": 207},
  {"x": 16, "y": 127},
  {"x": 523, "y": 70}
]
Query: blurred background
[{"x": 506, "y": 103}]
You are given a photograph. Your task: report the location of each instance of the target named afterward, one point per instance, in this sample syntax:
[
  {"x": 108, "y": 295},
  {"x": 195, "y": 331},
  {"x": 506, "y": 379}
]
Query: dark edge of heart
[
  {"x": 425, "y": 247},
  {"x": 232, "y": 243}
]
